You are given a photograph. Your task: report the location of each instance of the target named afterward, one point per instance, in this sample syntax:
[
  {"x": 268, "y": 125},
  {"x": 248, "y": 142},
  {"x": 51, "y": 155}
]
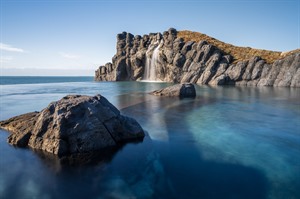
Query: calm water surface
[
  {"x": 6, "y": 80},
  {"x": 229, "y": 142}
]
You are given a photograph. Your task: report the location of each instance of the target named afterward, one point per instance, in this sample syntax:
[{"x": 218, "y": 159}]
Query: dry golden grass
[{"x": 238, "y": 53}]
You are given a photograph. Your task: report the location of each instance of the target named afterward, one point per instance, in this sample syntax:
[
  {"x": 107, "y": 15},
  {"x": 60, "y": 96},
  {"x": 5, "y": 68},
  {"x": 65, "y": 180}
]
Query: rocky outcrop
[
  {"x": 195, "y": 62},
  {"x": 185, "y": 90},
  {"x": 74, "y": 124}
]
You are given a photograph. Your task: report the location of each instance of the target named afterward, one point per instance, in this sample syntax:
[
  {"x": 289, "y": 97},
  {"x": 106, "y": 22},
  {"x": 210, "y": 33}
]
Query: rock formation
[
  {"x": 74, "y": 124},
  {"x": 178, "y": 60},
  {"x": 185, "y": 90}
]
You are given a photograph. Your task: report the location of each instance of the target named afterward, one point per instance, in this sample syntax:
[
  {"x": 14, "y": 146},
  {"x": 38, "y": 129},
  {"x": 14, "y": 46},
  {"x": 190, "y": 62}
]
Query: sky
[{"x": 75, "y": 37}]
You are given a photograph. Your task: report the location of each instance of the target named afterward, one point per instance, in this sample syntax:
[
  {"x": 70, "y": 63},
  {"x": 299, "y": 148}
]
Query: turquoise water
[
  {"x": 6, "y": 80},
  {"x": 229, "y": 142}
]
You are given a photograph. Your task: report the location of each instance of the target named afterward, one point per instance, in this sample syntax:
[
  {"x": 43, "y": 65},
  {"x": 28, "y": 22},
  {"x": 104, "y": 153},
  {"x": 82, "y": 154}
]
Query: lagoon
[{"x": 228, "y": 142}]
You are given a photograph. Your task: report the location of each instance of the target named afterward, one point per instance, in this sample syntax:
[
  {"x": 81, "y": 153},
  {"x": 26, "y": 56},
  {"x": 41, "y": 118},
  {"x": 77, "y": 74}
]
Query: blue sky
[{"x": 64, "y": 37}]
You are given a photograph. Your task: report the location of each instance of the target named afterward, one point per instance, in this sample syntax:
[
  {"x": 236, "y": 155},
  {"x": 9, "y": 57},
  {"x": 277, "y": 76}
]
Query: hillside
[
  {"x": 164, "y": 57},
  {"x": 238, "y": 53}
]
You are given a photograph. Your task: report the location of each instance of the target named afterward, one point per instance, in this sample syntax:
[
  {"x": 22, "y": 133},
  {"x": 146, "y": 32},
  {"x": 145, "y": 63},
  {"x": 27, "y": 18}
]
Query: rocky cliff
[{"x": 183, "y": 56}]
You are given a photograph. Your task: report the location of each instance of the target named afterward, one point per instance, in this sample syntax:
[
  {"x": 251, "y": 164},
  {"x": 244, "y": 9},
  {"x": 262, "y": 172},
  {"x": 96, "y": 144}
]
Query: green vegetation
[{"x": 238, "y": 53}]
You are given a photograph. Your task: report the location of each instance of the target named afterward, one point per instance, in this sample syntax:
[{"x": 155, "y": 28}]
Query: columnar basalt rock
[{"x": 195, "y": 62}]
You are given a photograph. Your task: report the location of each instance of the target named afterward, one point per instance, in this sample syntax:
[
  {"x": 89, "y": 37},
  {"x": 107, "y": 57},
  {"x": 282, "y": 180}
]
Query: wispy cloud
[
  {"x": 69, "y": 55},
  {"x": 7, "y": 47},
  {"x": 5, "y": 59}
]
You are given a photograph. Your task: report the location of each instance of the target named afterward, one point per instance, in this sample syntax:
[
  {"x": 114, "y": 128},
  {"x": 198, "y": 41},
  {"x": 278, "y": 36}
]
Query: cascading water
[
  {"x": 150, "y": 73},
  {"x": 147, "y": 67}
]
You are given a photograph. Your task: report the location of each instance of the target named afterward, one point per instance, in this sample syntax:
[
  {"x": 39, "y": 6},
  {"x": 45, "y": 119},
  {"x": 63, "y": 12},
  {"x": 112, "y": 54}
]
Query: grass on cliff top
[{"x": 238, "y": 53}]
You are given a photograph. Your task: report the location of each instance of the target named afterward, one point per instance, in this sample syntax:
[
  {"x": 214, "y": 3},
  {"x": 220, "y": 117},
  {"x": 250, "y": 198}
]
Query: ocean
[
  {"x": 7, "y": 80},
  {"x": 228, "y": 142}
]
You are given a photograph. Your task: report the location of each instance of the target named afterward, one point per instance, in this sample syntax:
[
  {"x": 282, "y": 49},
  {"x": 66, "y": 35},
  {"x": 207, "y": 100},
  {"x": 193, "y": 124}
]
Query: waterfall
[{"x": 150, "y": 72}]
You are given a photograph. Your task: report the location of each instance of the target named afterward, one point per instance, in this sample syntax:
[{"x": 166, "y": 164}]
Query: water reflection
[
  {"x": 186, "y": 174},
  {"x": 255, "y": 127},
  {"x": 228, "y": 142},
  {"x": 231, "y": 180},
  {"x": 59, "y": 164}
]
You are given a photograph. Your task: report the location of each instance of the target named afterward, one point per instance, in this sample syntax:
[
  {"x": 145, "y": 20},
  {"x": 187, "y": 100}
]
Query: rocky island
[
  {"x": 185, "y": 56},
  {"x": 74, "y": 124}
]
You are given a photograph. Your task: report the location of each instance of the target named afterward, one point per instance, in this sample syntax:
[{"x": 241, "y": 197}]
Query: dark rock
[
  {"x": 207, "y": 52},
  {"x": 178, "y": 44},
  {"x": 187, "y": 47},
  {"x": 210, "y": 69},
  {"x": 200, "y": 44},
  {"x": 23, "y": 126},
  {"x": 287, "y": 71},
  {"x": 226, "y": 59},
  {"x": 187, "y": 64},
  {"x": 296, "y": 79},
  {"x": 249, "y": 68},
  {"x": 189, "y": 61},
  {"x": 184, "y": 90},
  {"x": 236, "y": 71},
  {"x": 172, "y": 31},
  {"x": 219, "y": 80},
  {"x": 191, "y": 55},
  {"x": 102, "y": 70},
  {"x": 179, "y": 60},
  {"x": 257, "y": 70},
  {"x": 74, "y": 124},
  {"x": 169, "y": 53},
  {"x": 121, "y": 68}
]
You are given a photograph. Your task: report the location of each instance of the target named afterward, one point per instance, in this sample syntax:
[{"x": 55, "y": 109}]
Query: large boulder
[
  {"x": 74, "y": 124},
  {"x": 184, "y": 90}
]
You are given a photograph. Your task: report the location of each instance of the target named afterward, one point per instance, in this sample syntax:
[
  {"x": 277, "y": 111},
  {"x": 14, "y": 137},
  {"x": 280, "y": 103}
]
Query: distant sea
[{"x": 7, "y": 80}]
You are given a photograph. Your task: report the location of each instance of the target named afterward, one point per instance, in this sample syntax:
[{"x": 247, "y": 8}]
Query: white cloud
[
  {"x": 5, "y": 59},
  {"x": 10, "y": 48},
  {"x": 69, "y": 56}
]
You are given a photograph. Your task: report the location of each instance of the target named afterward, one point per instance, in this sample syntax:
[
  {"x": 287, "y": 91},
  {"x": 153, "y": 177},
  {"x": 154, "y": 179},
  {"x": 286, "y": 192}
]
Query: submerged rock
[
  {"x": 180, "y": 90},
  {"x": 74, "y": 124}
]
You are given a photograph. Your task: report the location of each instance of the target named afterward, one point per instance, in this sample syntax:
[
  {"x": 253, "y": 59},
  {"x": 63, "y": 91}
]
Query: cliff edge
[{"x": 185, "y": 56}]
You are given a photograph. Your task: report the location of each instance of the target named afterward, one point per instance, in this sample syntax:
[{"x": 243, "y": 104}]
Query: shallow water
[{"x": 228, "y": 142}]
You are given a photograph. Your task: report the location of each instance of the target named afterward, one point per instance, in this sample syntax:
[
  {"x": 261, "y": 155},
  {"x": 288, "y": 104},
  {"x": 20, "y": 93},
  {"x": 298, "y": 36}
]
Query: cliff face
[{"x": 167, "y": 57}]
